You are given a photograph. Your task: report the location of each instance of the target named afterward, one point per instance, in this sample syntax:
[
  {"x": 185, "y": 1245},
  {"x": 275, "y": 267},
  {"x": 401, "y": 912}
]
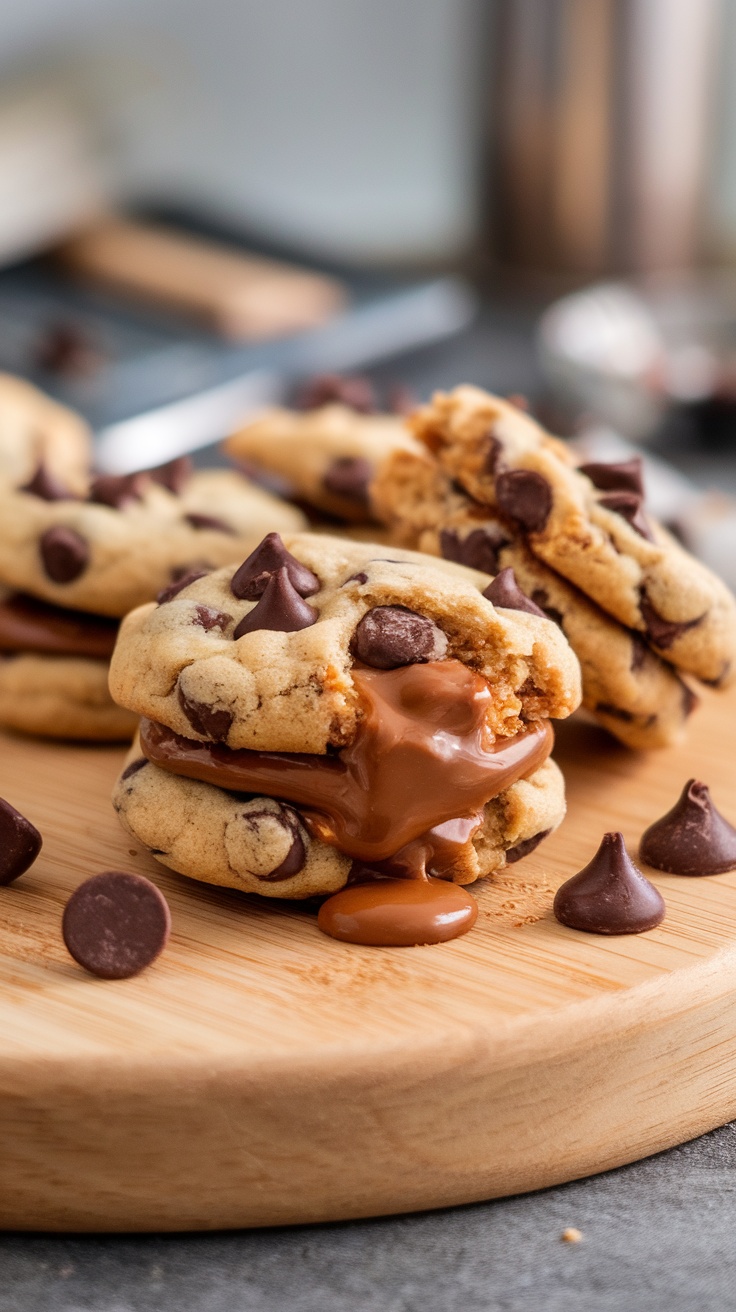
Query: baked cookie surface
[
  {"x": 110, "y": 553},
  {"x": 35, "y": 429},
  {"x": 589, "y": 524},
  {"x": 274, "y": 672},
  {"x": 326, "y": 457},
  {"x": 628, "y": 688},
  {"x": 60, "y": 697}
]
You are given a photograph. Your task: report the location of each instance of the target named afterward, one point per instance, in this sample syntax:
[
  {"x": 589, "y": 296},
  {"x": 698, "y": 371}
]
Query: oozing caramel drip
[
  {"x": 421, "y": 759},
  {"x": 28, "y": 625},
  {"x": 398, "y": 913}
]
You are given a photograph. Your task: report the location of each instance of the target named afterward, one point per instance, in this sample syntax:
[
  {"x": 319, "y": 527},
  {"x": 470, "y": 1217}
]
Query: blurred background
[{"x": 204, "y": 201}]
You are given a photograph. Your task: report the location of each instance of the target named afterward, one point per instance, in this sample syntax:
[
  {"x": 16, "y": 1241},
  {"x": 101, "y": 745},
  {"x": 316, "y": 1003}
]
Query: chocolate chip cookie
[
  {"x": 627, "y": 687},
  {"x": 325, "y": 457},
  {"x": 589, "y": 524},
  {"x": 397, "y": 721},
  {"x": 37, "y": 431}
]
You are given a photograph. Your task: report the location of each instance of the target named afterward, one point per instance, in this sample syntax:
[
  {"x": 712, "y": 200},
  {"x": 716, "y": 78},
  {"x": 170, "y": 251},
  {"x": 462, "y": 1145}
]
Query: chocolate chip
[
  {"x": 526, "y": 497},
  {"x": 250, "y": 580},
  {"x": 356, "y": 393},
  {"x": 117, "y": 490},
  {"x": 524, "y": 848},
  {"x": 479, "y": 550},
  {"x": 361, "y": 577},
  {"x": 296, "y": 856},
  {"x": 175, "y": 475},
  {"x": 628, "y": 505},
  {"x": 209, "y": 618},
  {"x": 691, "y": 839},
  {"x": 610, "y": 895},
  {"x": 134, "y": 767},
  {"x": 211, "y": 722},
  {"x": 621, "y": 476},
  {"x": 279, "y": 609},
  {"x": 47, "y": 486},
  {"x": 20, "y": 843},
  {"x": 65, "y": 554},
  {"x": 116, "y": 924},
  {"x": 349, "y": 477},
  {"x": 209, "y": 521},
  {"x": 492, "y": 457},
  {"x": 664, "y": 632},
  {"x": 173, "y": 589},
  {"x": 505, "y": 591},
  {"x": 390, "y": 636}
]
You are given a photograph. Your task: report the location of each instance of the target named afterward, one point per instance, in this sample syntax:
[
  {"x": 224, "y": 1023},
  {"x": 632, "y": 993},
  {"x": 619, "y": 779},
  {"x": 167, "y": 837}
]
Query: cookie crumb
[{"x": 571, "y": 1235}]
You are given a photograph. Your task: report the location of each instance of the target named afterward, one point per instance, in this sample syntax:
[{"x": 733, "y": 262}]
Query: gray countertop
[{"x": 660, "y": 1234}]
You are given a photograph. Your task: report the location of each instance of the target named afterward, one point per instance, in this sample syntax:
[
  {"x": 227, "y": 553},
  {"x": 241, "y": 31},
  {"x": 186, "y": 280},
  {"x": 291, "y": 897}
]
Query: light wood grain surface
[{"x": 261, "y": 1073}]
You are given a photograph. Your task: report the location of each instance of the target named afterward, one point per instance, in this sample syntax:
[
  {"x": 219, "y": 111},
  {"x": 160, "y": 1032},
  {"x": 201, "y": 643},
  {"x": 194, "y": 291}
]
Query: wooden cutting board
[{"x": 261, "y": 1073}]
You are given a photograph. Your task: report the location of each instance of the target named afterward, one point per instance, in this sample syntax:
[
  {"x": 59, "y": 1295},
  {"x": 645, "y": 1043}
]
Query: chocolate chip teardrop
[
  {"x": 47, "y": 486},
  {"x": 250, "y": 580},
  {"x": 20, "y": 843},
  {"x": 505, "y": 591},
  {"x": 65, "y": 554},
  {"x": 390, "y": 636},
  {"x": 280, "y": 609},
  {"x": 526, "y": 497},
  {"x": 610, "y": 895},
  {"x": 349, "y": 477},
  {"x": 691, "y": 839}
]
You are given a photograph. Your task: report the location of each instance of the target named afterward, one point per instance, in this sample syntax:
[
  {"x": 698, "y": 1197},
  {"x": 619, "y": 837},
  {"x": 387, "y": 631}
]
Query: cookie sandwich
[
  {"x": 325, "y": 453},
  {"x": 321, "y": 718},
  {"x": 491, "y": 489},
  {"x": 76, "y": 555}
]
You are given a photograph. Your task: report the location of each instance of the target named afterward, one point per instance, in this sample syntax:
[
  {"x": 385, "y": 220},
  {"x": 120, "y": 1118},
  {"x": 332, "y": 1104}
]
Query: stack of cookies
[
  {"x": 490, "y": 489},
  {"x": 77, "y": 552},
  {"x": 320, "y": 711}
]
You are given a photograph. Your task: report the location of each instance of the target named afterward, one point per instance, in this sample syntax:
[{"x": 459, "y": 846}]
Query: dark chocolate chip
[
  {"x": 175, "y": 475},
  {"x": 493, "y": 455},
  {"x": 47, "y": 486},
  {"x": 356, "y": 393},
  {"x": 616, "y": 712},
  {"x": 296, "y": 856},
  {"x": 390, "y": 636},
  {"x": 349, "y": 477},
  {"x": 479, "y": 550},
  {"x": 505, "y": 591},
  {"x": 209, "y": 521},
  {"x": 664, "y": 632},
  {"x": 610, "y": 895},
  {"x": 211, "y": 722},
  {"x": 250, "y": 580},
  {"x": 134, "y": 767},
  {"x": 209, "y": 618},
  {"x": 621, "y": 476},
  {"x": 541, "y": 599},
  {"x": 628, "y": 506},
  {"x": 361, "y": 577},
  {"x": 526, "y": 497},
  {"x": 173, "y": 589},
  {"x": 524, "y": 848},
  {"x": 116, "y": 924},
  {"x": 20, "y": 843},
  {"x": 117, "y": 490},
  {"x": 64, "y": 349},
  {"x": 65, "y": 554},
  {"x": 280, "y": 609},
  {"x": 691, "y": 839}
]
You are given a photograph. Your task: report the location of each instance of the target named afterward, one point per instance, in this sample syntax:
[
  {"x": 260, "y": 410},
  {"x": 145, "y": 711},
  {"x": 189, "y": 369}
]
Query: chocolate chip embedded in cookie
[
  {"x": 589, "y": 525},
  {"x": 329, "y": 455},
  {"x": 284, "y": 672}
]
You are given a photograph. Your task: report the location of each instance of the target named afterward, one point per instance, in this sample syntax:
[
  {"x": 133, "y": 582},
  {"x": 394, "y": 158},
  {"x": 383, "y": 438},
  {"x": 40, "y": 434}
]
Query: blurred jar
[{"x": 603, "y": 132}]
